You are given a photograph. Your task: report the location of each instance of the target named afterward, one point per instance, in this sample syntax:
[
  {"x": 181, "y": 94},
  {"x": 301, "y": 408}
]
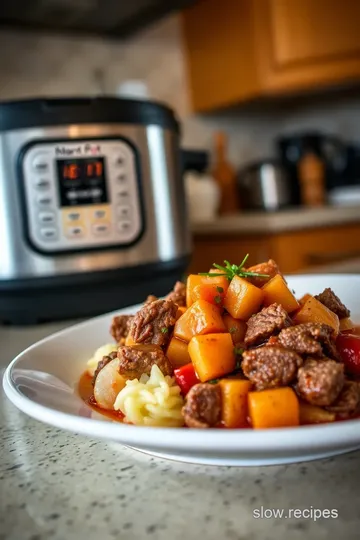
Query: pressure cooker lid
[{"x": 105, "y": 110}]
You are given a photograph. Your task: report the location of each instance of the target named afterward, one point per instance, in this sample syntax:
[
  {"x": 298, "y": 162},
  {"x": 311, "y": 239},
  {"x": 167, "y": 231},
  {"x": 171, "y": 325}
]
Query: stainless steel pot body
[{"x": 165, "y": 235}]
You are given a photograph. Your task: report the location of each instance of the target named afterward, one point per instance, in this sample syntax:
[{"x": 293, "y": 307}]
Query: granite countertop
[
  {"x": 61, "y": 486},
  {"x": 269, "y": 223}
]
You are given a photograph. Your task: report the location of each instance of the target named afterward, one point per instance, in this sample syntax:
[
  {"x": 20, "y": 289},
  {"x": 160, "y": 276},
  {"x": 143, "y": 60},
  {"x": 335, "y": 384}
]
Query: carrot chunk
[
  {"x": 314, "y": 311},
  {"x": 235, "y": 327},
  {"x": 212, "y": 355},
  {"x": 205, "y": 288},
  {"x": 180, "y": 311},
  {"x": 177, "y": 352},
  {"x": 276, "y": 291},
  {"x": 234, "y": 402},
  {"x": 201, "y": 318},
  {"x": 311, "y": 414},
  {"x": 346, "y": 324},
  {"x": 192, "y": 281},
  {"x": 242, "y": 298},
  {"x": 210, "y": 292},
  {"x": 278, "y": 407}
]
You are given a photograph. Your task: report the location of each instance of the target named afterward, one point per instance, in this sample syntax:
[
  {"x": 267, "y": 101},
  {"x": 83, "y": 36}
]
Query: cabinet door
[
  {"x": 219, "y": 47},
  {"x": 242, "y": 50},
  {"x": 303, "y": 43},
  {"x": 314, "y": 248}
]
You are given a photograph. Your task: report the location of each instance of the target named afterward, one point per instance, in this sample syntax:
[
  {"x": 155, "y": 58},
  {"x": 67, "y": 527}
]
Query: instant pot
[{"x": 92, "y": 206}]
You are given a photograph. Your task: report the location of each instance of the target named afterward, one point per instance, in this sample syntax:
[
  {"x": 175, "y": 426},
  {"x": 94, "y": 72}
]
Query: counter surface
[{"x": 288, "y": 220}]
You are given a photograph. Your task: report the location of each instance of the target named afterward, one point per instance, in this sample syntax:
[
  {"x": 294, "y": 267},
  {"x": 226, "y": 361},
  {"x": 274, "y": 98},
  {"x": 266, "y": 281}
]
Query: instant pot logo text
[{"x": 81, "y": 150}]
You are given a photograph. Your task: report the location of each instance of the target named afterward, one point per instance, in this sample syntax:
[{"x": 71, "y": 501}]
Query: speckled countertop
[
  {"x": 297, "y": 218},
  {"x": 60, "y": 486}
]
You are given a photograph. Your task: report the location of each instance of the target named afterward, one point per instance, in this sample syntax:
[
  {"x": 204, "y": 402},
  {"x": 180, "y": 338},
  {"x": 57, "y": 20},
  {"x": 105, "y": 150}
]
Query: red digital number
[
  {"x": 71, "y": 172},
  {"x": 94, "y": 169}
]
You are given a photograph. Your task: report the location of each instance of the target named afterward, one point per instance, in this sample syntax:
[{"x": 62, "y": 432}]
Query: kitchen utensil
[
  {"x": 225, "y": 175},
  {"x": 203, "y": 196},
  {"x": 330, "y": 155},
  {"x": 264, "y": 185},
  {"x": 92, "y": 206}
]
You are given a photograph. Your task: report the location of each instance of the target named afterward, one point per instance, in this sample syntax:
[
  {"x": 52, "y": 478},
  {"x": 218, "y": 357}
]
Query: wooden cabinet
[
  {"x": 241, "y": 50},
  {"x": 294, "y": 251}
]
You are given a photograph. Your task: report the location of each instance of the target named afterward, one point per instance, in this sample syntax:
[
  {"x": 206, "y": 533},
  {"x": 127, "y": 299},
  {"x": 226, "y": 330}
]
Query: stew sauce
[{"x": 85, "y": 390}]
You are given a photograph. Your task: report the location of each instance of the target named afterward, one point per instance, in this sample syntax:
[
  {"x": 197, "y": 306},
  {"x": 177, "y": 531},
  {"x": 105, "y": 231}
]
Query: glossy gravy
[{"x": 85, "y": 389}]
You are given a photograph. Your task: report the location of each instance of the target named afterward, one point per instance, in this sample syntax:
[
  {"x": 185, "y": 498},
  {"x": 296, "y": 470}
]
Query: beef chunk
[
  {"x": 268, "y": 321},
  {"x": 105, "y": 360},
  {"x": 348, "y": 400},
  {"x": 151, "y": 298},
  {"x": 269, "y": 268},
  {"x": 120, "y": 327},
  {"x": 270, "y": 366},
  {"x": 138, "y": 359},
  {"x": 202, "y": 407},
  {"x": 320, "y": 381},
  {"x": 153, "y": 323},
  {"x": 313, "y": 339},
  {"x": 178, "y": 294},
  {"x": 333, "y": 302}
]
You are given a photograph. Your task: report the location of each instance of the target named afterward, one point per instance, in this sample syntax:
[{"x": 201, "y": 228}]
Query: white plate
[{"x": 42, "y": 382}]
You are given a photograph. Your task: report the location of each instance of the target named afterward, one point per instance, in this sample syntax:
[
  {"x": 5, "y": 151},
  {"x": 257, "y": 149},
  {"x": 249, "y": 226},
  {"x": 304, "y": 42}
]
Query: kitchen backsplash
[{"x": 52, "y": 65}]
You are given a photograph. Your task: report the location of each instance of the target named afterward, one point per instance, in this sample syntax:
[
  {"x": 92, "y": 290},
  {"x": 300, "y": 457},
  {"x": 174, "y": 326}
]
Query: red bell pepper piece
[
  {"x": 186, "y": 377},
  {"x": 348, "y": 346}
]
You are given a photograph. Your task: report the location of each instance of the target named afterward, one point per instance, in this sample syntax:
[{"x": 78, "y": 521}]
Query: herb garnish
[
  {"x": 238, "y": 351},
  {"x": 164, "y": 330},
  {"x": 220, "y": 290},
  {"x": 232, "y": 330},
  {"x": 232, "y": 270},
  {"x": 217, "y": 299}
]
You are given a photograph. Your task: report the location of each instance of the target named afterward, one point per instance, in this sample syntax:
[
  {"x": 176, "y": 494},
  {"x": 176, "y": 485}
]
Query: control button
[
  {"x": 124, "y": 226},
  {"x": 123, "y": 211},
  {"x": 40, "y": 163},
  {"x": 47, "y": 217},
  {"x": 123, "y": 195},
  {"x": 42, "y": 183},
  {"x": 74, "y": 232},
  {"x": 73, "y": 216},
  {"x": 121, "y": 178},
  {"x": 119, "y": 160},
  {"x": 43, "y": 200},
  {"x": 48, "y": 233},
  {"x": 101, "y": 229},
  {"x": 96, "y": 192},
  {"x": 99, "y": 214}
]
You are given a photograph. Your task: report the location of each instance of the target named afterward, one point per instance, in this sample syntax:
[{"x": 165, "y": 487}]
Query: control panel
[{"x": 81, "y": 194}]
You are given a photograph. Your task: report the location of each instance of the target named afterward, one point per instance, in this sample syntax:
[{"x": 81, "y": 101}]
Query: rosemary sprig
[{"x": 232, "y": 270}]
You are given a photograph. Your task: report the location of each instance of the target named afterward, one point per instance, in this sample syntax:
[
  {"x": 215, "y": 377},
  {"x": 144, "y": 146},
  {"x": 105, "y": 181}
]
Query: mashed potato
[
  {"x": 98, "y": 355},
  {"x": 151, "y": 401}
]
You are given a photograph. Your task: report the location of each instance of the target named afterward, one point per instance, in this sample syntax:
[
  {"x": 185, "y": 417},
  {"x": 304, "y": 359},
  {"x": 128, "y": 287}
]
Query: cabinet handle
[{"x": 326, "y": 258}]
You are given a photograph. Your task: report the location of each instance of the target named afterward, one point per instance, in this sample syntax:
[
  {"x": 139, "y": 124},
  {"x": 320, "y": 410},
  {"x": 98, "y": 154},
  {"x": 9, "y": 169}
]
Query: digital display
[{"x": 82, "y": 181}]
